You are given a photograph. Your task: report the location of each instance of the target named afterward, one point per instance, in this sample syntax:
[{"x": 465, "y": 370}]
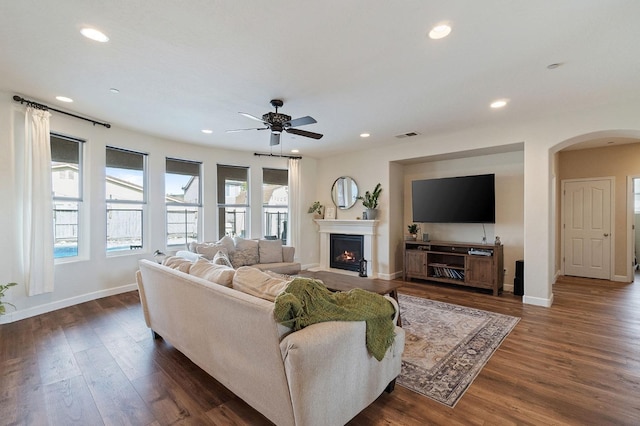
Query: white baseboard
[
  {"x": 389, "y": 277},
  {"x": 537, "y": 301},
  {"x": 65, "y": 303},
  {"x": 622, "y": 278}
]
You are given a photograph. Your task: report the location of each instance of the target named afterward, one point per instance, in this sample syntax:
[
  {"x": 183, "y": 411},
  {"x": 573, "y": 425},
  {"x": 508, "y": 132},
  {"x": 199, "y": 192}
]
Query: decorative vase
[
  {"x": 414, "y": 236},
  {"x": 372, "y": 214}
]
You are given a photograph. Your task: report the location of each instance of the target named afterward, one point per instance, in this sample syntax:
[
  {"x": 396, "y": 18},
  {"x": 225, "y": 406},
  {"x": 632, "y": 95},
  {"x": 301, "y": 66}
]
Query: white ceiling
[{"x": 355, "y": 66}]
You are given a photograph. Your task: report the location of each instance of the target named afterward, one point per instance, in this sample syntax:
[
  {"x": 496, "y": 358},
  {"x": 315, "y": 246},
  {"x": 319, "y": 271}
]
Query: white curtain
[
  {"x": 37, "y": 207},
  {"x": 294, "y": 203}
]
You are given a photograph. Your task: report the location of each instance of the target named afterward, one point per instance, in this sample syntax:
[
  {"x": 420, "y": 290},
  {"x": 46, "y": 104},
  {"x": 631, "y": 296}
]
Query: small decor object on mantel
[
  {"x": 330, "y": 213},
  {"x": 497, "y": 241},
  {"x": 316, "y": 209},
  {"x": 370, "y": 202},
  {"x": 413, "y": 230},
  {"x": 3, "y": 288}
]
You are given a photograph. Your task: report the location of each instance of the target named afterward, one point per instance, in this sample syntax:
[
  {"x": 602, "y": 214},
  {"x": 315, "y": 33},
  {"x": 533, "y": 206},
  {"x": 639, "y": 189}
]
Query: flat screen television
[{"x": 464, "y": 199}]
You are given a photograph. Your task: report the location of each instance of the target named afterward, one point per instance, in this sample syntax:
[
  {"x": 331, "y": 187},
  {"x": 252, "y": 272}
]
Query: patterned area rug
[{"x": 447, "y": 346}]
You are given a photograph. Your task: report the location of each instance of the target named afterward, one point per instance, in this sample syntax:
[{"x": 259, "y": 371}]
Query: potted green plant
[
  {"x": 316, "y": 209},
  {"x": 3, "y": 288},
  {"x": 413, "y": 230},
  {"x": 370, "y": 201}
]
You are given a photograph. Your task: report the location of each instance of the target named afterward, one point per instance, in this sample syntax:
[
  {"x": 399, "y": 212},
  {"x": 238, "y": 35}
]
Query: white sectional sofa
[
  {"x": 320, "y": 375},
  {"x": 266, "y": 255}
]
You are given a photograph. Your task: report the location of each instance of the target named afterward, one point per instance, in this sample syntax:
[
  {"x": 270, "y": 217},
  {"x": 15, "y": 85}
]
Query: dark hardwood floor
[{"x": 96, "y": 363}]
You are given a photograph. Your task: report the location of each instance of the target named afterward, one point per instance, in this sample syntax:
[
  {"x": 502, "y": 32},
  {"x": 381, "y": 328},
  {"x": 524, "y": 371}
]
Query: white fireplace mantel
[{"x": 367, "y": 228}]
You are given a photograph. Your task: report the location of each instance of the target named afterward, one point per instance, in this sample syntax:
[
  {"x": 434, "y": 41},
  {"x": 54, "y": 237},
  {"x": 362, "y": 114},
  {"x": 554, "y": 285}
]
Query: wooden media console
[{"x": 465, "y": 264}]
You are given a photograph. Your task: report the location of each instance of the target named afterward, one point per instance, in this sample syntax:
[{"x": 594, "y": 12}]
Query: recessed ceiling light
[
  {"x": 295, "y": 151},
  {"x": 64, "y": 99},
  {"x": 94, "y": 35},
  {"x": 207, "y": 131},
  {"x": 114, "y": 90},
  {"x": 439, "y": 31},
  {"x": 364, "y": 135},
  {"x": 499, "y": 103}
]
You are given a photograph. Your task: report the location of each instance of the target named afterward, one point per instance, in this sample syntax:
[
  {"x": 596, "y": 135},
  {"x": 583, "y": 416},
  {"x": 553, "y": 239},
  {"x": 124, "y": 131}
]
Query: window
[
  {"x": 126, "y": 197},
  {"x": 636, "y": 195},
  {"x": 233, "y": 200},
  {"x": 182, "y": 195},
  {"x": 66, "y": 182},
  {"x": 275, "y": 203}
]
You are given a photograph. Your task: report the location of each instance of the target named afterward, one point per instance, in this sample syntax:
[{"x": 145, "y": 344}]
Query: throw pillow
[
  {"x": 259, "y": 284},
  {"x": 270, "y": 251},
  {"x": 209, "y": 250},
  {"x": 221, "y": 258},
  {"x": 177, "y": 262},
  {"x": 228, "y": 243},
  {"x": 246, "y": 253},
  {"x": 190, "y": 256},
  {"x": 218, "y": 274}
]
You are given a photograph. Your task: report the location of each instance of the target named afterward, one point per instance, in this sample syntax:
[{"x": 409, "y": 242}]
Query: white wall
[
  {"x": 97, "y": 274},
  {"x": 358, "y": 167},
  {"x": 509, "y": 174},
  {"x": 541, "y": 135}
]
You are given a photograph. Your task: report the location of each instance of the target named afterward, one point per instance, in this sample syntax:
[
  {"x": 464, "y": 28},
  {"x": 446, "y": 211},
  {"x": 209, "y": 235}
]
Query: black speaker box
[{"x": 518, "y": 281}]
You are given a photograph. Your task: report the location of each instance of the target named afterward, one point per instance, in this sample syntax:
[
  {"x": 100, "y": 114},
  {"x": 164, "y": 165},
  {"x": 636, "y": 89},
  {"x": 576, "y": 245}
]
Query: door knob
[{"x": 606, "y": 235}]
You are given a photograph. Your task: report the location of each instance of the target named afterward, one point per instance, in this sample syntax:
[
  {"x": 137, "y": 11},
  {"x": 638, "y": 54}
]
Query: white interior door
[{"x": 587, "y": 228}]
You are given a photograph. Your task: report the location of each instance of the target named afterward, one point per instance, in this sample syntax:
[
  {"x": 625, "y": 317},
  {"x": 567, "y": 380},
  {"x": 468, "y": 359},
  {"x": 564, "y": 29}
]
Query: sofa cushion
[
  {"x": 179, "y": 263},
  {"x": 288, "y": 253},
  {"x": 209, "y": 250},
  {"x": 219, "y": 274},
  {"x": 257, "y": 283},
  {"x": 245, "y": 254},
  {"x": 270, "y": 251},
  {"x": 191, "y": 256},
  {"x": 221, "y": 258},
  {"x": 288, "y": 268}
]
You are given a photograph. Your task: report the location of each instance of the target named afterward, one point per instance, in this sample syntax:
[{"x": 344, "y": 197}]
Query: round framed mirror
[{"x": 344, "y": 192}]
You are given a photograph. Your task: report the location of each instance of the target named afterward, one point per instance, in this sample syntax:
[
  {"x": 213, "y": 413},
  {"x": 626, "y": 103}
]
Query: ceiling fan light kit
[{"x": 278, "y": 123}]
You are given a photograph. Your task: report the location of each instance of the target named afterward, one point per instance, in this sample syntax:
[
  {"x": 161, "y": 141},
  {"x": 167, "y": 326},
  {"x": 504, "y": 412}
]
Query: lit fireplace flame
[{"x": 346, "y": 256}]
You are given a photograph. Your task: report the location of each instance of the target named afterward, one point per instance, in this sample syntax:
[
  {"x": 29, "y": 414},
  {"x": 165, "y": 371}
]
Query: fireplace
[
  {"x": 365, "y": 229},
  {"x": 346, "y": 251}
]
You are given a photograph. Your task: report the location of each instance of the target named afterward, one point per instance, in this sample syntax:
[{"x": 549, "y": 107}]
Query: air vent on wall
[{"x": 407, "y": 135}]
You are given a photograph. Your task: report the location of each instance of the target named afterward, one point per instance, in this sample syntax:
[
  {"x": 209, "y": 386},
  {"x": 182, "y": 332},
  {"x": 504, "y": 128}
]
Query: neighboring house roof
[{"x": 117, "y": 182}]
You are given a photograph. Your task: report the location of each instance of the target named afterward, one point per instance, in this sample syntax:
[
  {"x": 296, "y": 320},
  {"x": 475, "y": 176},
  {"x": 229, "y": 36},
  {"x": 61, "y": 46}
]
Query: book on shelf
[{"x": 441, "y": 270}]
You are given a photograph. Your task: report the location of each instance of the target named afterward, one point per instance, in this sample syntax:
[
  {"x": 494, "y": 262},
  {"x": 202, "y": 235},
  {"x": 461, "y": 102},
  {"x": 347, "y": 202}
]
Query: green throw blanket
[{"x": 307, "y": 301}]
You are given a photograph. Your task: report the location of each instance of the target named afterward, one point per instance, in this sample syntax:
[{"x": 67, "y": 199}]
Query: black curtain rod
[
  {"x": 295, "y": 157},
  {"x": 46, "y": 107}
]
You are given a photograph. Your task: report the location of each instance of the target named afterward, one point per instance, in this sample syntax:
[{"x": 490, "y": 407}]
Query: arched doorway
[{"x": 612, "y": 155}]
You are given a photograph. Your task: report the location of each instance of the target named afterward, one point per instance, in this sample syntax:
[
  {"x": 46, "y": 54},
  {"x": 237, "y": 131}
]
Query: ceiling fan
[{"x": 278, "y": 123}]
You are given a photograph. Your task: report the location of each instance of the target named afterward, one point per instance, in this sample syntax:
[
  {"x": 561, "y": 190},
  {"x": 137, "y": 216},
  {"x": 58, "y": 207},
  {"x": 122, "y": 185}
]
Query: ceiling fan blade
[
  {"x": 242, "y": 130},
  {"x": 304, "y": 133},
  {"x": 302, "y": 121},
  {"x": 275, "y": 139},
  {"x": 253, "y": 117}
]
